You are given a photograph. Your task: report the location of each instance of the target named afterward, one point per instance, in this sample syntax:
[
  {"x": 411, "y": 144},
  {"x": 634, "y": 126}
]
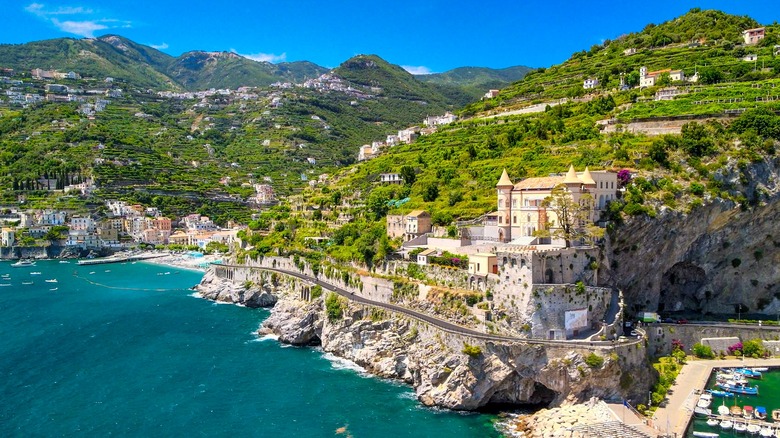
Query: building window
[
  {"x": 514, "y": 219},
  {"x": 500, "y": 203},
  {"x": 514, "y": 203},
  {"x": 499, "y": 219}
]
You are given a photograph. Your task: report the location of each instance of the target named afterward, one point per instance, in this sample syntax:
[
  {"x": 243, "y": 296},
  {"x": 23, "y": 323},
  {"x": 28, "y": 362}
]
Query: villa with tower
[{"x": 521, "y": 211}]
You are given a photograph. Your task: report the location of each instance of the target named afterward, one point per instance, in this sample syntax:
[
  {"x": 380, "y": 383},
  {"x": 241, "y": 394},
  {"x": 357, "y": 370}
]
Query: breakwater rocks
[
  {"x": 248, "y": 294},
  {"x": 561, "y": 422}
]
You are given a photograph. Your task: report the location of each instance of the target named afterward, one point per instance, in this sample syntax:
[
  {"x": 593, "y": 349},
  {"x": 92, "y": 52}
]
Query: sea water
[{"x": 125, "y": 349}]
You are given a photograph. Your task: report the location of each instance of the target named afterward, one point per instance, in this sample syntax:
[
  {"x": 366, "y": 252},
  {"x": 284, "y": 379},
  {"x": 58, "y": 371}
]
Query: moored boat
[
  {"x": 747, "y": 412},
  {"x": 775, "y": 414},
  {"x": 740, "y": 427},
  {"x": 701, "y": 412},
  {"x": 53, "y": 280},
  {"x": 719, "y": 393},
  {"x": 766, "y": 431},
  {"x": 738, "y": 389},
  {"x": 760, "y": 412},
  {"x": 705, "y": 434},
  {"x": 736, "y": 411},
  {"x": 723, "y": 410},
  {"x": 749, "y": 373},
  {"x": 23, "y": 264},
  {"x": 712, "y": 422},
  {"x": 726, "y": 424},
  {"x": 705, "y": 400}
]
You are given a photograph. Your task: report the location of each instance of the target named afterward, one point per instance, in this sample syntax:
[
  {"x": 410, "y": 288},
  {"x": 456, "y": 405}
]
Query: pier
[{"x": 120, "y": 259}]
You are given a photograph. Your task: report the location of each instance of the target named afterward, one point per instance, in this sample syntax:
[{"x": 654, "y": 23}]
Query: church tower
[{"x": 504, "y": 187}]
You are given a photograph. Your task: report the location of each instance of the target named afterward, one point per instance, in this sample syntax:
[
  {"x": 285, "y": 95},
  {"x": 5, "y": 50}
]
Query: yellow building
[
  {"x": 483, "y": 264},
  {"x": 521, "y": 212}
]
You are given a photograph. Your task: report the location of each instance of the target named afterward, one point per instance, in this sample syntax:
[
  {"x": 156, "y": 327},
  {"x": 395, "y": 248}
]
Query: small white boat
[
  {"x": 705, "y": 400},
  {"x": 51, "y": 280},
  {"x": 726, "y": 424},
  {"x": 753, "y": 429},
  {"x": 5, "y": 284},
  {"x": 766, "y": 431},
  {"x": 723, "y": 410},
  {"x": 108, "y": 270},
  {"x": 64, "y": 261},
  {"x": 92, "y": 272},
  {"x": 712, "y": 422},
  {"x": 740, "y": 427},
  {"x": 705, "y": 434},
  {"x": 23, "y": 264},
  {"x": 35, "y": 273},
  {"x": 54, "y": 288},
  {"x": 27, "y": 283},
  {"x": 701, "y": 412}
]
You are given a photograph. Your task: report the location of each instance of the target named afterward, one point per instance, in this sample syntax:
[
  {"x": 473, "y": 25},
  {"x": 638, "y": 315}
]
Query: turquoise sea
[{"x": 125, "y": 349}]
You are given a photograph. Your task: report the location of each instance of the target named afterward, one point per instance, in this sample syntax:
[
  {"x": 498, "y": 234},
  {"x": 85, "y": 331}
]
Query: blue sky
[{"x": 423, "y": 36}]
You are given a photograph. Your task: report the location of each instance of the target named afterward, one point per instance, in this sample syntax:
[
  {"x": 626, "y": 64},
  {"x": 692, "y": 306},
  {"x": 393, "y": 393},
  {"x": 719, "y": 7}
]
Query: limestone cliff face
[
  {"x": 713, "y": 259},
  {"x": 251, "y": 295},
  {"x": 442, "y": 375}
]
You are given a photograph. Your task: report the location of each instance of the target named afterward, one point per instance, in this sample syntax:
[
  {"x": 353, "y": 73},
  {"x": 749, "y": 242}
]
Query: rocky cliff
[
  {"x": 436, "y": 364},
  {"x": 248, "y": 294},
  {"x": 717, "y": 257}
]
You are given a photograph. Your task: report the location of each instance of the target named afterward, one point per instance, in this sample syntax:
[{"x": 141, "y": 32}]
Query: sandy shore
[{"x": 184, "y": 261}]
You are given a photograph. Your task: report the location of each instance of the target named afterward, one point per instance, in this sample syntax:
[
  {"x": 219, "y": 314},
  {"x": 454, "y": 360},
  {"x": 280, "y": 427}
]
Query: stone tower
[{"x": 504, "y": 187}]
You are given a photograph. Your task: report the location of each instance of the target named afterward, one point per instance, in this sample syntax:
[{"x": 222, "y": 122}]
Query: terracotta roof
[
  {"x": 658, "y": 72},
  {"x": 504, "y": 181},
  {"x": 544, "y": 182},
  {"x": 418, "y": 213}
]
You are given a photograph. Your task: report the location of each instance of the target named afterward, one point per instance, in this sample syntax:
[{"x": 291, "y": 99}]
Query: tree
[
  {"x": 408, "y": 174},
  {"x": 657, "y": 153},
  {"x": 431, "y": 192},
  {"x": 664, "y": 80},
  {"x": 710, "y": 75},
  {"x": 632, "y": 79},
  {"x": 572, "y": 216}
]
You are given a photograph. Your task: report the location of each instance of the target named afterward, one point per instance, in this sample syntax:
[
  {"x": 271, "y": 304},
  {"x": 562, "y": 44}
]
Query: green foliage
[
  {"x": 316, "y": 292},
  {"x": 334, "y": 307},
  {"x": 593, "y": 360},
  {"x": 471, "y": 350},
  {"x": 753, "y": 348},
  {"x": 703, "y": 351}
]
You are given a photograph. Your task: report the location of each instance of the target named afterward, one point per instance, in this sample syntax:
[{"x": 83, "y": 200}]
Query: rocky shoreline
[{"x": 446, "y": 370}]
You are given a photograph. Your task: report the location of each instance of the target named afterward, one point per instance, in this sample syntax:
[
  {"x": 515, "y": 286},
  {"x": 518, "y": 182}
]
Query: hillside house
[
  {"x": 390, "y": 178},
  {"x": 422, "y": 258},
  {"x": 629, "y": 52},
  {"x": 483, "y": 264},
  {"x": 753, "y": 36},
  {"x": 491, "y": 94},
  {"x": 752, "y": 57},
  {"x": 590, "y": 83},
  {"x": 8, "y": 237},
  {"x": 408, "y": 226},
  {"x": 521, "y": 211}
]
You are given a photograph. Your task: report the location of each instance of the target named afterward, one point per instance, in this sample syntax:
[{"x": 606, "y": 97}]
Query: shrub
[
  {"x": 316, "y": 292},
  {"x": 703, "y": 351},
  {"x": 334, "y": 307},
  {"x": 471, "y": 350},
  {"x": 593, "y": 360}
]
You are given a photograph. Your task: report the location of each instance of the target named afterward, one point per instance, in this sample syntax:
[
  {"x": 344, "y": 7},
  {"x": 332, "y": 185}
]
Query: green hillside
[{"x": 477, "y": 80}]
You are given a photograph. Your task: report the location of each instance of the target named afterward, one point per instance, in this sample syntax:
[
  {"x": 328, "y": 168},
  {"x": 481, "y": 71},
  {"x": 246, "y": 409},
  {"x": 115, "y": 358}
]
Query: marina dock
[
  {"x": 673, "y": 418},
  {"x": 120, "y": 259}
]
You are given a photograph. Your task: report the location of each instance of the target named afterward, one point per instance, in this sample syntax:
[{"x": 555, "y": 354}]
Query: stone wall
[
  {"x": 552, "y": 301},
  {"x": 660, "y": 336}
]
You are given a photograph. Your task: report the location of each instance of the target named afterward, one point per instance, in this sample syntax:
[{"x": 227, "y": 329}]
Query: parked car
[
  {"x": 668, "y": 320},
  {"x": 682, "y": 321}
]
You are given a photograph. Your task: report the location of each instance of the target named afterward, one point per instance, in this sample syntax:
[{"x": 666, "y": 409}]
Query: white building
[
  {"x": 391, "y": 178},
  {"x": 590, "y": 83}
]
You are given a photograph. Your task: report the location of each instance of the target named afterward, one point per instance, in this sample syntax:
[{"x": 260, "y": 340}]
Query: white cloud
[
  {"x": 162, "y": 46},
  {"x": 418, "y": 70},
  {"x": 83, "y": 27},
  {"x": 263, "y": 57}
]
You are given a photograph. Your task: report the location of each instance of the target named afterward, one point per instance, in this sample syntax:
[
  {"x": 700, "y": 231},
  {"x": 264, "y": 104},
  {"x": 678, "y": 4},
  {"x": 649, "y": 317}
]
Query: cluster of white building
[
  {"x": 408, "y": 135},
  {"x": 123, "y": 225}
]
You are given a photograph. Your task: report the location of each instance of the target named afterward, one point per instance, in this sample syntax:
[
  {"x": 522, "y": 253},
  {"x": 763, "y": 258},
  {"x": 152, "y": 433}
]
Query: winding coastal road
[{"x": 436, "y": 322}]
